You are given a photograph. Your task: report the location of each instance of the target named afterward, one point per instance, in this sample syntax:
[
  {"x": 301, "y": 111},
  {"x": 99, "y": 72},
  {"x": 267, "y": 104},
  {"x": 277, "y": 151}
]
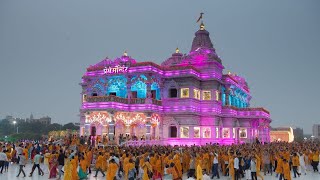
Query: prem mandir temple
[{"x": 184, "y": 101}]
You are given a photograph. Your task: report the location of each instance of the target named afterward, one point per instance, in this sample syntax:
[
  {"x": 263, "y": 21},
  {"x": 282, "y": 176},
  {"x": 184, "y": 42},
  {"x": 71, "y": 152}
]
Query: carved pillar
[
  {"x": 160, "y": 126},
  {"x": 148, "y": 127},
  {"x": 148, "y": 130},
  {"x": 231, "y": 132},
  {"x": 129, "y": 94},
  {"x": 213, "y": 133},
  {"x": 227, "y": 98},
  {"x": 148, "y": 98},
  {"x": 249, "y": 134},
  {"x": 191, "y": 131},
  {"x": 111, "y": 126}
]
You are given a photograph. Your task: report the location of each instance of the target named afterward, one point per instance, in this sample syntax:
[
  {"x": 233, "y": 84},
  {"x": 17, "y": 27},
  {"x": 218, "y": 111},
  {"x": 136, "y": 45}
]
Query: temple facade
[{"x": 185, "y": 100}]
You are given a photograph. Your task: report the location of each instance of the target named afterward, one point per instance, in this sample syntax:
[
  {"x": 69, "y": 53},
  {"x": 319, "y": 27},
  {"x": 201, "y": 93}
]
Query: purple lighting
[{"x": 188, "y": 96}]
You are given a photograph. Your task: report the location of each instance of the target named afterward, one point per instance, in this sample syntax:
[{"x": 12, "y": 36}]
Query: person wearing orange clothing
[
  {"x": 199, "y": 172},
  {"x": 226, "y": 164},
  {"x": 83, "y": 168},
  {"x": 147, "y": 170},
  {"x": 130, "y": 168},
  {"x": 25, "y": 151},
  {"x": 173, "y": 171},
  {"x": 206, "y": 163},
  {"x": 286, "y": 170},
  {"x": 295, "y": 165},
  {"x": 231, "y": 167},
  {"x": 157, "y": 167},
  {"x": 99, "y": 164},
  {"x": 279, "y": 169},
  {"x": 89, "y": 159},
  {"x": 126, "y": 160},
  {"x": 315, "y": 160},
  {"x": 258, "y": 166},
  {"x": 178, "y": 165},
  {"x": 74, "y": 165}
]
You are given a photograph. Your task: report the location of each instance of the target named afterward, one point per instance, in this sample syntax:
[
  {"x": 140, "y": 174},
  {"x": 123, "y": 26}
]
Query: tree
[
  {"x": 70, "y": 126},
  {"x": 53, "y": 127}
]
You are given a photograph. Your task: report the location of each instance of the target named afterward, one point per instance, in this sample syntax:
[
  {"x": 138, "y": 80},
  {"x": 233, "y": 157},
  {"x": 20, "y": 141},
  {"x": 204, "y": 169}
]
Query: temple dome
[
  {"x": 174, "y": 60},
  {"x": 202, "y": 39}
]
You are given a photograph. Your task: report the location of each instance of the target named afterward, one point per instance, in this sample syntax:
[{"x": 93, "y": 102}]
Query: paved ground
[{"x": 13, "y": 170}]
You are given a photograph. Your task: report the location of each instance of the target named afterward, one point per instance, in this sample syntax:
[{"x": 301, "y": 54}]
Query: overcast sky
[{"x": 45, "y": 47}]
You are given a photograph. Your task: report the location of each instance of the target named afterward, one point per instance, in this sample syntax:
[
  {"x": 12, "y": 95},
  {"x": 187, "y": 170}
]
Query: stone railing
[
  {"x": 106, "y": 99},
  {"x": 157, "y": 102},
  {"x": 137, "y": 101},
  {"x": 111, "y": 98},
  {"x": 245, "y": 112}
]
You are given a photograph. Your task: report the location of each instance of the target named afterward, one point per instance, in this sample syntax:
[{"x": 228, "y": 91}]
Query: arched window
[
  {"x": 94, "y": 94},
  {"x": 223, "y": 95},
  {"x": 139, "y": 87},
  {"x": 117, "y": 86},
  {"x": 173, "y": 132},
  {"x": 155, "y": 91}
]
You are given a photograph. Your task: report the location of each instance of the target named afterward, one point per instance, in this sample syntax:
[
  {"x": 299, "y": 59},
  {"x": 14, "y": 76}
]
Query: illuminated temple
[{"x": 185, "y": 100}]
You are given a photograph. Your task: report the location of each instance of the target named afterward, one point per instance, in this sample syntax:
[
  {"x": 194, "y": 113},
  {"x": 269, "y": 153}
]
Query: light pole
[{"x": 14, "y": 125}]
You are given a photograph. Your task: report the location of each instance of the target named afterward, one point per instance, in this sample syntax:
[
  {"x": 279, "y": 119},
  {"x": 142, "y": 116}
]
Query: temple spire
[
  {"x": 202, "y": 26},
  {"x": 177, "y": 50}
]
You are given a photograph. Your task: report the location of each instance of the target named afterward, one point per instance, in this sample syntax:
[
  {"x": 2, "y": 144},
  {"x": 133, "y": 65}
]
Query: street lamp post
[{"x": 14, "y": 125}]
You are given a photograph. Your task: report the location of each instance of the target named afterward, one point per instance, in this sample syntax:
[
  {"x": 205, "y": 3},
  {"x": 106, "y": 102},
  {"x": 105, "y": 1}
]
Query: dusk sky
[{"x": 46, "y": 46}]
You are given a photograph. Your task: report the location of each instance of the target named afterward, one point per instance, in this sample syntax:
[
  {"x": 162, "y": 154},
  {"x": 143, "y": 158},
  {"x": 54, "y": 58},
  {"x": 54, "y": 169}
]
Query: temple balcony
[
  {"x": 232, "y": 111},
  {"x": 119, "y": 103},
  {"x": 191, "y": 105}
]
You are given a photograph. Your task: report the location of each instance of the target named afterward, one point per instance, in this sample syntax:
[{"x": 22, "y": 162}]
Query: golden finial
[
  {"x": 201, "y": 26},
  {"x": 177, "y": 50},
  {"x": 125, "y": 53}
]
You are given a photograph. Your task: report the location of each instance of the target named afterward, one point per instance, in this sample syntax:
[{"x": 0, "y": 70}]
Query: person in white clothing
[
  {"x": 302, "y": 167},
  {"x": 236, "y": 168},
  {"x": 3, "y": 158}
]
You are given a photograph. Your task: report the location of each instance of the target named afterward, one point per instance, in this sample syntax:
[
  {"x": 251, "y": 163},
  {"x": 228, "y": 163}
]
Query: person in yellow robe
[
  {"x": 178, "y": 165},
  {"x": 147, "y": 170},
  {"x": 258, "y": 166},
  {"x": 231, "y": 166},
  {"x": 112, "y": 170},
  {"x": 68, "y": 171},
  {"x": 295, "y": 165},
  {"x": 173, "y": 171},
  {"x": 125, "y": 163},
  {"x": 205, "y": 161},
  {"x": 99, "y": 164},
  {"x": 130, "y": 168},
  {"x": 286, "y": 170},
  {"x": 158, "y": 166},
  {"x": 199, "y": 172},
  {"x": 25, "y": 151},
  {"x": 83, "y": 168},
  {"x": 89, "y": 159},
  {"x": 279, "y": 170},
  {"x": 315, "y": 160},
  {"x": 74, "y": 165}
]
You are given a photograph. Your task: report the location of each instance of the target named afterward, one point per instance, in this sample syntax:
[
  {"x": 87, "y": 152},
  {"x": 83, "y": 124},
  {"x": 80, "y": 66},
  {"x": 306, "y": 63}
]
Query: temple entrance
[
  {"x": 136, "y": 126},
  {"x": 93, "y": 131}
]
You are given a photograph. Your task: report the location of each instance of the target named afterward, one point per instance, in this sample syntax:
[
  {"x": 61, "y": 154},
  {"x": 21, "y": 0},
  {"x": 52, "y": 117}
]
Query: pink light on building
[{"x": 186, "y": 100}]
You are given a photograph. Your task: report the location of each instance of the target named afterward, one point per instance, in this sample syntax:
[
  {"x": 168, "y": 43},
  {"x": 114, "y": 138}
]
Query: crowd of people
[{"x": 73, "y": 158}]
